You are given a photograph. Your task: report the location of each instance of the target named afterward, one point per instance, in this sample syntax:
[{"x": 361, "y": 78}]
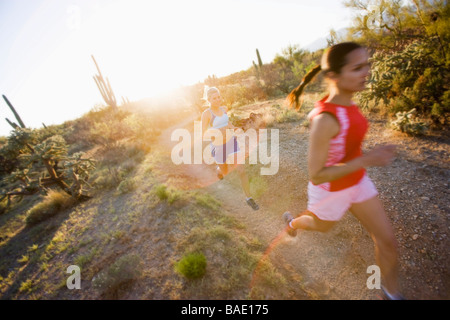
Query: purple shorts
[{"x": 221, "y": 153}]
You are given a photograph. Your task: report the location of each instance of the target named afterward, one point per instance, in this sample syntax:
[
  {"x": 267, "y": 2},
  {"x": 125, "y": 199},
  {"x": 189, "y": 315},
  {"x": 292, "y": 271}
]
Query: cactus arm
[
  {"x": 12, "y": 124},
  {"x": 14, "y": 111},
  {"x": 259, "y": 58},
  {"x": 104, "y": 87}
]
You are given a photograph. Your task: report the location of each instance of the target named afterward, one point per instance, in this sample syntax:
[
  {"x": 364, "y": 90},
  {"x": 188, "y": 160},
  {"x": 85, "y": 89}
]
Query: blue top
[{"x": 218, "y": 122}]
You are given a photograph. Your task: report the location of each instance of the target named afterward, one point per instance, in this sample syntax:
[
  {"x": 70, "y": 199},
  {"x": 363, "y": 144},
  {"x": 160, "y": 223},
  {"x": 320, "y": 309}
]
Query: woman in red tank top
[{"x": 336, "y": 164}]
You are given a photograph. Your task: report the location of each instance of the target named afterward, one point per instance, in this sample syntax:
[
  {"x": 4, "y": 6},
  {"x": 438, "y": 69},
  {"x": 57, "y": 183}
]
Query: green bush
[
  {"x": 413, "y": 78},
  {"x": 192, "y": 265},
  {"x": 169, "y": 194},
  {"x": 161, "y": 192}
]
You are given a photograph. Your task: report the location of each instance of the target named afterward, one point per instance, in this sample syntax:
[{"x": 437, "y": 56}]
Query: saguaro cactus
[
  {"x": 104, "y": 87},
  {"x": 125, "y": 101},
  {"x": 19, "y": 120},
  {"x": 259, "y": 59},
  {"x": 259, "y": 68}
]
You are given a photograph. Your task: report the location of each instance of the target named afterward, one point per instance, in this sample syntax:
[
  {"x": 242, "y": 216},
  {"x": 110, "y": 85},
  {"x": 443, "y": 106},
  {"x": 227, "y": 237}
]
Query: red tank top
[{"x": 346, "y": 145}]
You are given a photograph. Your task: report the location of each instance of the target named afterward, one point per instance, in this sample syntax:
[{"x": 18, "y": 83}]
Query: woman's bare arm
[{"x": 324, "y": 127}]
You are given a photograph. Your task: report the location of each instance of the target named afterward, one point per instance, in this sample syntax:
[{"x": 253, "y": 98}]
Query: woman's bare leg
[
  {"x": 372, "y": 216},
  {"x": 308, "y": 221},
  {"x": 223, "y": 168},
  {"x": 245, "y": 182}
]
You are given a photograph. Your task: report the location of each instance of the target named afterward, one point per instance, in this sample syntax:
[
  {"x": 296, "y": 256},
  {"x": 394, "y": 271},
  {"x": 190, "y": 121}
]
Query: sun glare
[
  {"x": 148, "y": 48},
  {"x": 145, "y": 48}
]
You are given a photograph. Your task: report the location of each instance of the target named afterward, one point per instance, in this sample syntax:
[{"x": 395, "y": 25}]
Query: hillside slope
[{"x": 175, "y": 209}]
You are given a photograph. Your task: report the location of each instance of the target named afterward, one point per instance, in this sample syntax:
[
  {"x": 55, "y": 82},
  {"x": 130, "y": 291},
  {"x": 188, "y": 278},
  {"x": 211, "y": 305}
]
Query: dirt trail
[{"x": 331, "y": 265}]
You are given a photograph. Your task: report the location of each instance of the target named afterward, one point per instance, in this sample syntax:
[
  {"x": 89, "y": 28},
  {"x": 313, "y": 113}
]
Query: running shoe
[
  {"x": 252, "y": 204},
  {"x": 287, "y": 217},
  {"x": 388, "y": 296},
  {"x": 219, "y": 173}
]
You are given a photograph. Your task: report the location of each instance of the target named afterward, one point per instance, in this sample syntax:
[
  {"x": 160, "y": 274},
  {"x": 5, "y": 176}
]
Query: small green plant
[
  {"x": 207, "y": 201},
  {"x": 26, "y": 286},
  {"x": 33, "y": 248},
  {"x": 169, "y": 194},
  {"x": 408, "y": 123},
  {"x": 161, "y": 192},
  {"x": 82, "y": 260},
  {"x": 192, "y": 265},
  {"x": 24, "y": 259},
  {"x": 174, "y": 195}
]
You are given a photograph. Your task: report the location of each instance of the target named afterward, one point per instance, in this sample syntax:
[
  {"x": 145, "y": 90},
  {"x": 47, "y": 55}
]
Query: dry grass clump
[{"x": 53, "y": 203}]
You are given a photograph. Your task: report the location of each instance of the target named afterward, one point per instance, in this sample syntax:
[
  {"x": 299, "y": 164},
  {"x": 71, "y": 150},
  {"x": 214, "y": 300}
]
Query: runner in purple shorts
[{"x": 216, "y": 118}]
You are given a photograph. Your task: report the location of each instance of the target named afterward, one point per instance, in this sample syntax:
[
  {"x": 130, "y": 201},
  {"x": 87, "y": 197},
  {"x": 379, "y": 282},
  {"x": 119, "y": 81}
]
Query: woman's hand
[{"x": 379, "y": 156}]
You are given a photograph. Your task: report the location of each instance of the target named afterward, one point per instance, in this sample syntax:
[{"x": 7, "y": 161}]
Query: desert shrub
[
  {"x": 109, "y": 133},
  {"x": 53, "y": 203},
  {"x": 116, "y": 164},
  {"x": 106, "y": 178},
  {"x": 407, "y": 122},
  {"x": 234, "y": 95},
  {"x": 143, "y": 129},
  {"x": 106, "y": 126},
  {"x": 413, "y": 78},
  {"x": 15, "y": 146},
  {"x": 92, "y": 128},
  {"x": 3, "y": 205},
  {"x": 124, "y": 270},
  {"x": 49, "y": 131},
  {"x": 207, "y": 201},
  {"x": 8, "y": 162},
  {"x": 168, "y": 194},
  {"x": 126, "y": 186},
  {"x": 192, "y": 265},
  {"x": 287, "y": 115},
  {"x": 289, "y": 67},
  {"x": 255, "y": 92}
]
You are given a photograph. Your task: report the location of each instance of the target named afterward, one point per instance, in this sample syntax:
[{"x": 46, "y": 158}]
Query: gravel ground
[{"x": 415, "y": 191}]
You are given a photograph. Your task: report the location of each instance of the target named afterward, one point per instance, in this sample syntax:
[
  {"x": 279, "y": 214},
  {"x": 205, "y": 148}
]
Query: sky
[{"x": 144, "y": 47}]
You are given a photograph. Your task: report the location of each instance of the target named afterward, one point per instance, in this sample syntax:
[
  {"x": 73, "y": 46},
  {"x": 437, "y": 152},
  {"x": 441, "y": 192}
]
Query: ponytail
[
  {"x": 333, "y": 60},
  {"x": 295, "y": 94}
]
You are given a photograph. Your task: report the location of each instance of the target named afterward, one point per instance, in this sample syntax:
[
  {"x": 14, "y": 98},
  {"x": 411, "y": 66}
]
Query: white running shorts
[{"x": 332, "y": 206}]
